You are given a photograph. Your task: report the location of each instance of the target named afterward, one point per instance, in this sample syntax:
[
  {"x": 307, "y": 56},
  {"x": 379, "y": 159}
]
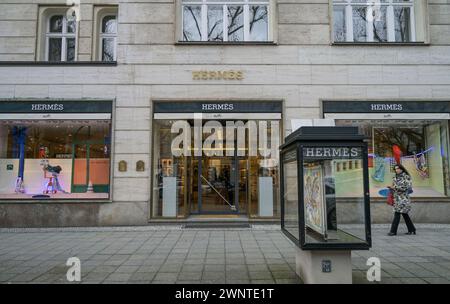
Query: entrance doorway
[
  {"x": 219, "y": 185},
  {"x": 194, "y": 179}
]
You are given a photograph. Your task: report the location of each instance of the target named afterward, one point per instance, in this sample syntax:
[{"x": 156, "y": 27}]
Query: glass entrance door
[
  {"x": 215, "y": 176},
  {"x": 217, "y": 185}
]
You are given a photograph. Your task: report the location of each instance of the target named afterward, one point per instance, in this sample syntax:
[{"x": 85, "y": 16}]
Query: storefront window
[
  {"x": 421, "y": 146},
  {"x": 168, "y": 174},
  {"x": 55, "y": 159},
  {"x": 213, "y": 174}
]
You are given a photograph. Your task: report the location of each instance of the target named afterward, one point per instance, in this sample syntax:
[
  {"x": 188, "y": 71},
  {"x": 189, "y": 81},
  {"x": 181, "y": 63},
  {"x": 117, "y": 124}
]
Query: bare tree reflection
[
  {"x": 219, "y": 34},
  {"x": 215, "y": 33},
  {"x": 258, "y": 13},
  {"x": 187, "y": 35},
  {"x": 402, "y": 19},
  {"x": 409, "y": 140},
  {"x": 234, "y": 14},
  {"x": 377, "y": 32}
]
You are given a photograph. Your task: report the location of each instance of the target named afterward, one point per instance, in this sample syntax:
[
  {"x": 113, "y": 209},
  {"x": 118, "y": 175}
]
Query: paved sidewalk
[{"x": 169, "y": 254}]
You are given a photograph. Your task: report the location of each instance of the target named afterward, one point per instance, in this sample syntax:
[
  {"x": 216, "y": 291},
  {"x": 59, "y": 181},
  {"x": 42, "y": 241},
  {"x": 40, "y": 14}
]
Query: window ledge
[
  {"x": 380, "y": 44},
  {"x": 226, "y": 43},
  {"x": 55, "y": 201},
  {"x": 60, "y": 63}
]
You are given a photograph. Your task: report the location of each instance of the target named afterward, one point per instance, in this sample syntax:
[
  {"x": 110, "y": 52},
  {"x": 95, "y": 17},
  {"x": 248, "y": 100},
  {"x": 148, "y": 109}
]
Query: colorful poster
[{"x": 314, "y": 198}]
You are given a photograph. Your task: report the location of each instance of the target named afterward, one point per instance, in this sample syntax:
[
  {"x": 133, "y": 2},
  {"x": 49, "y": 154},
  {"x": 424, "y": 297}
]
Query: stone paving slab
[{"x": 169, "y": 254}]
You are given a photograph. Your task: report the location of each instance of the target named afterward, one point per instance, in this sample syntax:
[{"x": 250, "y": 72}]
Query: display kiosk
[{"x": 323, "y": 171}]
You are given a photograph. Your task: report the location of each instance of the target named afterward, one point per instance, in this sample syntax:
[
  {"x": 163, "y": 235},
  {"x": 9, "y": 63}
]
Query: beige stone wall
[
  {"x": 301, "y": 69},
  {"x": 19, "y": 23}
]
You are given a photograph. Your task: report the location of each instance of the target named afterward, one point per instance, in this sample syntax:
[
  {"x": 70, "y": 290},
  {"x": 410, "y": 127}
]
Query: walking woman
[{"x": 401, "y": 187}]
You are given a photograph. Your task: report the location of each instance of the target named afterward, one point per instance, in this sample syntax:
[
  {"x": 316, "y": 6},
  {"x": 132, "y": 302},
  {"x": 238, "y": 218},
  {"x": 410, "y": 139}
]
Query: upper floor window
[
  {"x": 108, "y": 38},
  {"x": 225, "y": 20},
  {"x": 105, "y": 33},
  {"x": 377, "y": 20},
  {"x": 60, "y": 38}
]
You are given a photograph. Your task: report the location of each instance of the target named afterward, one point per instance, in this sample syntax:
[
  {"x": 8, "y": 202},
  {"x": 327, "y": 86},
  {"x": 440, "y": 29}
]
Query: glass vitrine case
[{"x": 325, "y": 190}]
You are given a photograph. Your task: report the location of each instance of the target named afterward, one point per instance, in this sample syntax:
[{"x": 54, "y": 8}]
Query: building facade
[{"x": 125, "y": 112}]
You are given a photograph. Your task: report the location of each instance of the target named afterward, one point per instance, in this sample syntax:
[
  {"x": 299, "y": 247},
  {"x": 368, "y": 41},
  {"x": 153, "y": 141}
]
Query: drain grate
[{"x": 216, "y": 225}]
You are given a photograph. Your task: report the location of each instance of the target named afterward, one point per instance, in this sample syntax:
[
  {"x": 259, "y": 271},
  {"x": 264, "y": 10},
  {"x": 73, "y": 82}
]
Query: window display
[
  {"x": 421, "y": 146},
  {"x": 314, "y": 197},
  {"x": 55, "y": 159}
]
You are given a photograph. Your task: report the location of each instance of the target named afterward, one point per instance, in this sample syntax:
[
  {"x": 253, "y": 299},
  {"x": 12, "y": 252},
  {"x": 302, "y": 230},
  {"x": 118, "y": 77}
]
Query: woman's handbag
[{"x": 390, "y": 199}]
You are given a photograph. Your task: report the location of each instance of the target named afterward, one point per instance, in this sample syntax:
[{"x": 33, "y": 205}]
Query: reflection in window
[
  {"x": 258, "y": 23},
  {"x": 192, "y": 23},
  {"x": 61, "y": 38},
  {"x": 421, "y": 146},
  {"x": 209, "y": 20},
  {"x": 235, "y": 23},
  {"x": 373, "y": 21},
  {"x": 54, "y": 49},
  {"x": 108, "y": 38},
  {"x": 326, "y": 193},
  {"x": 109, "y": 25},
  {"x": 380, "y": 25},
  {"x": 402, "y": 17},
  {"x": 215, "y": 23},
  {"x": 70, "y": 56},
  {"x": 290, "y": 192},
  {"x": 71, "y": 25},
  {"x": 339, "y": 24},
  {"x": 359, "y": 24},
  {"x": 56, "y": 24}
]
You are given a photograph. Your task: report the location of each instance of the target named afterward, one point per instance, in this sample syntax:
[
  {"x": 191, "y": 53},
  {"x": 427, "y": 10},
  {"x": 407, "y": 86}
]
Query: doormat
[
  {"x": 41, "y": 196},
  {"x": 216, "y": 225}
]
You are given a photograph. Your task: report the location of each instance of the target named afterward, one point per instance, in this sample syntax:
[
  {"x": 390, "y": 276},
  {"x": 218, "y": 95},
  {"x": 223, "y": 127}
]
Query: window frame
[
  {"x": 224, "y": 3},
  {"x": 390, "y": 21},
  {"x": 102, "y": 35},
  {"x": 64, "y": 35},
  {"x": 100, "y": 12}
]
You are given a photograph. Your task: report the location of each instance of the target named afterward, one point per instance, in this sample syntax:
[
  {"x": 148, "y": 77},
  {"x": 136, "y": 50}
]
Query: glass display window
[
  {"x": 55, "y": 159},
  {"x": 200, "y": 182},
  {"x": 421, "y": 146}
]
